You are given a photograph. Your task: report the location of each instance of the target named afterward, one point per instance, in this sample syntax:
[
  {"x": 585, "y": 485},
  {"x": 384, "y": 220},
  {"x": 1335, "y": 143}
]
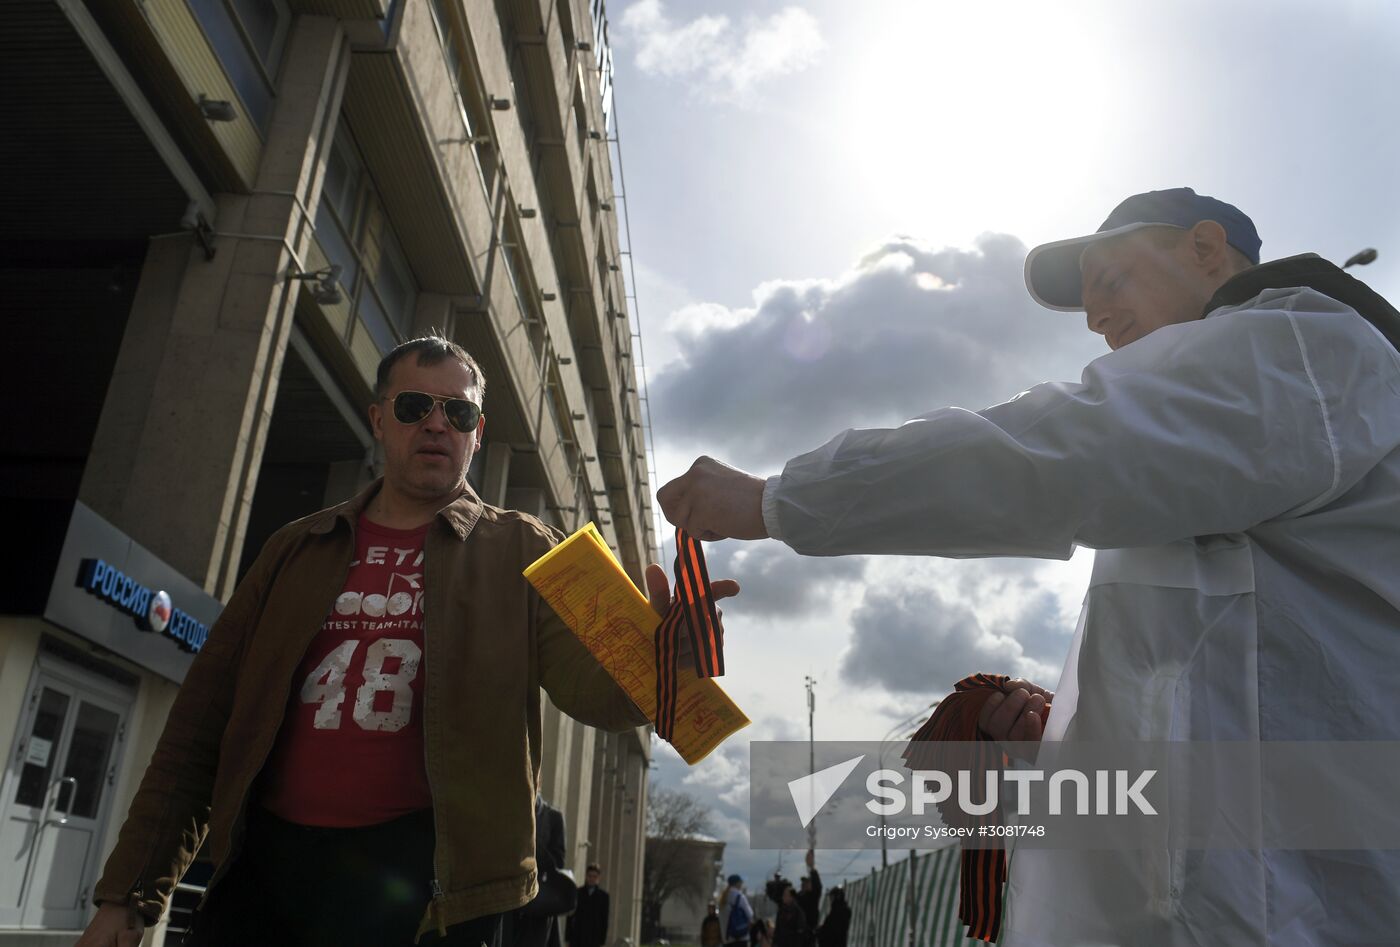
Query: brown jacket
[{"x": 490, "y": 644}]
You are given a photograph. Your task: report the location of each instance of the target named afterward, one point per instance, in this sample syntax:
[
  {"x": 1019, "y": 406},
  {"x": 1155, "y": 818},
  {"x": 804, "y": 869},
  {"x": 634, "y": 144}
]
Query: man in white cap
[{"x": 1236, "y": 461}]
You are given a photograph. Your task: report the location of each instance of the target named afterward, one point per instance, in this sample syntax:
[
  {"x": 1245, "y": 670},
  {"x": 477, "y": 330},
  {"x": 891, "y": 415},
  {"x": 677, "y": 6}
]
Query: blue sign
[
  {"x": 152, "y": 610},
  {"x": 117, "y": 594}
]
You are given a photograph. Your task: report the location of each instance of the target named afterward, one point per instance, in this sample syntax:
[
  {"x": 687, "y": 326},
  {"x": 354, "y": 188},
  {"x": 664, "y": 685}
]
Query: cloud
[
  {"x": 776, "y": 582},
  {"x": 911, "y": 639},
  {"x": 907, "y": 330},
  {"x": 727, "y": 61}
]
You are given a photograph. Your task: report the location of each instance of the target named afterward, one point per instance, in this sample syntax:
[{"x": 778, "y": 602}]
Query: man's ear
[
  {"x": 376, "y": 421},
  {"x": 1209, "y": 247}
]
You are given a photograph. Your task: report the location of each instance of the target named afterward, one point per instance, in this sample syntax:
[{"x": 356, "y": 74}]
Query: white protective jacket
[{"x": 1240, "y": 477}]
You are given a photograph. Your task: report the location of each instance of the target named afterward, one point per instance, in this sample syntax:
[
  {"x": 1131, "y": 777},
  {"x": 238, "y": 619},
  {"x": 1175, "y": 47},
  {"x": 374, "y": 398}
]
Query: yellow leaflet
[{"x": 588, "y": 589}]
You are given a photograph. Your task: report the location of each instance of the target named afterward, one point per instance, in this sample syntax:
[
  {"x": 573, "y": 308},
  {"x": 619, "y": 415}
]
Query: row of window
[
  {"x": 354, "y": 232},
  {"x": 250, "y": 37}
]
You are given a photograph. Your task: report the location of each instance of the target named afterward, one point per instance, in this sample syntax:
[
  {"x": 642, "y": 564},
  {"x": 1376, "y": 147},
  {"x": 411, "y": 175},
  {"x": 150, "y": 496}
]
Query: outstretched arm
[{"x": 1207, "y": 427}]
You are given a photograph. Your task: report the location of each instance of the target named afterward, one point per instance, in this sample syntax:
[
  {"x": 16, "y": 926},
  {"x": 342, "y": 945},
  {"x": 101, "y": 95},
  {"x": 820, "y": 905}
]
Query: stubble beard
[{"x": 426, "y": 485}]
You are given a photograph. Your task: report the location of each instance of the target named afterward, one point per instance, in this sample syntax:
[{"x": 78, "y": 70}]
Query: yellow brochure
[{"x": 588, "y": 589}]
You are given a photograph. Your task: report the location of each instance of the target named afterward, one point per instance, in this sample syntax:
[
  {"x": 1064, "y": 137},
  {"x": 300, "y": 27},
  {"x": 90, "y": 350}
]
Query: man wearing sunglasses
[{"x": 359, "y": 740}]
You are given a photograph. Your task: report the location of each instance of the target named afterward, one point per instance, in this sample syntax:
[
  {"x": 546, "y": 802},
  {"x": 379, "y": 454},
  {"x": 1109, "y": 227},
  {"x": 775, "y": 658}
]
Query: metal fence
[{"x": 880, "y": 903}]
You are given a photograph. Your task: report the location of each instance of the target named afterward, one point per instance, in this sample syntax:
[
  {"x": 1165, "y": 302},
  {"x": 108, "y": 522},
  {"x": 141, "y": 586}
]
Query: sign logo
[
  {"x": 812, "y": 792},
  {"x": 159, "y": 616}
]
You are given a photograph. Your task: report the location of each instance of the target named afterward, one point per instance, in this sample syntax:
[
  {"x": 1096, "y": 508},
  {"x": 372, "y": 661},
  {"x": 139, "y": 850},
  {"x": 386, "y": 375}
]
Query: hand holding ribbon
[
  {"x": 982, "y": 711},
  {"x": 692, "y": 608}
]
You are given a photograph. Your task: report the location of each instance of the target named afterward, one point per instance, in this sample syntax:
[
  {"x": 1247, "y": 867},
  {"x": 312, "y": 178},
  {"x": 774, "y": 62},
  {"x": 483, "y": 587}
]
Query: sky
[{"x": 829, "y": 207}]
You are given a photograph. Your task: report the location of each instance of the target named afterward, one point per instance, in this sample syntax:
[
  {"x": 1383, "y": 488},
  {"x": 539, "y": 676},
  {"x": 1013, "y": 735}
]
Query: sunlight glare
[{"x": 965, "y": 114}]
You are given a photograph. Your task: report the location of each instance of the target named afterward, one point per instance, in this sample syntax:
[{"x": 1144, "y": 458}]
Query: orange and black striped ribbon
[
  {"x": 955, "y": 721},
  {"x": 693, "y": 605}
]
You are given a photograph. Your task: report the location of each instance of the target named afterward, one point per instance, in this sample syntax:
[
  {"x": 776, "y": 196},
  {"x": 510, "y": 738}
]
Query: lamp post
[
  {"x": 811, "y": 755},
  {"x": 909, "y": 901},
  {"x": 889, "y": 735},
  {"x": 1361, "y": 258}
]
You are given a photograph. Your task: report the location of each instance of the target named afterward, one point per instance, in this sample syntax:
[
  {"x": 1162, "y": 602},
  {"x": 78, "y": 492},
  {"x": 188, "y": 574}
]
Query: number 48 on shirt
[{"x": 326, "y": 685}]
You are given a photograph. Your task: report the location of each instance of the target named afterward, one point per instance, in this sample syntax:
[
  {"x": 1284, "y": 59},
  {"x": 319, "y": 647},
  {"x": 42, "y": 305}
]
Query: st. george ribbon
[
  {"x": 955, "y": 722},
  {"x": 693, "y": 606}
]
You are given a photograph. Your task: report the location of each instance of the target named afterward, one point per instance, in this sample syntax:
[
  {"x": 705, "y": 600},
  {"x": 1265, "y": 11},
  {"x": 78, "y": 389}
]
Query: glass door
[{"x": 54, "y": 801}]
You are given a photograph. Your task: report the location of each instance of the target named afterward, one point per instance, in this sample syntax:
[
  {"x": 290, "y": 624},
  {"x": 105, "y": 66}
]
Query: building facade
[
  {"x": 696, "y": 863},
  {"x": 219, "y": 214}
]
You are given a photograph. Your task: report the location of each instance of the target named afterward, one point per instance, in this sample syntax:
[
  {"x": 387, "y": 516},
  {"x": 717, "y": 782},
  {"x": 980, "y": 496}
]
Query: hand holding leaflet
[{"x": 591, "y": 593}]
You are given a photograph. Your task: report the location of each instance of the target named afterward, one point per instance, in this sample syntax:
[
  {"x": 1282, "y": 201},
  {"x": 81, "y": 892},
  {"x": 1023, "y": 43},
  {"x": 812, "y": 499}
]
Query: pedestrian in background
[
  {"x": 711, "y": 934},
  {"x": 791, "y": 928},
  {"x": 736, "y": 926},
  {"x": 809, "y": 897},
  {"x": 588, "y": 925},
  {"x": 536, "y": 924},
  {"x": 836, "y": 927}
]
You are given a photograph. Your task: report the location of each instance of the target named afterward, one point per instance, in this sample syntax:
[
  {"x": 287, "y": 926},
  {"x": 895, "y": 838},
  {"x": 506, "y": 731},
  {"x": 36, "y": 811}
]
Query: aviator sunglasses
[{"x": 411, "y": 407}]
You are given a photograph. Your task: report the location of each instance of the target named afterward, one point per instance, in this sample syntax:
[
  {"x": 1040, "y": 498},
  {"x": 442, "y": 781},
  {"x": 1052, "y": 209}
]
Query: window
[
  {"x": 603, "y": 52},
  {"x": 354, "y": 231},
  {"x": 471, "y": 105},
  {"x": 387, "y": 301},
  {"x": 395, "y": 284},
  {"x": 265, "y": 25},
  {"x": 566, "y": 28},
  {"x": 338, "y": 213},
  {"x": 248, "y": 36}
]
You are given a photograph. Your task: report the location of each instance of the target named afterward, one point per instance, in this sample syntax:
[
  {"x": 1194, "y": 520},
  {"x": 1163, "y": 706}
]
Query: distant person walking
[
  {"x": 588, "y": 925},
  {"x": 809, "y": 897},
  {"x": 711, "y": 934},
  {"x": 836, "y": 928},
  {"x": 536, "y": 924},
  {"x": 791, "y": 929},
  {"x": 736, "y": 926}
]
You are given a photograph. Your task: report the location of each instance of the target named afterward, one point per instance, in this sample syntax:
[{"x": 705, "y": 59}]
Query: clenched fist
[{"x": 713, "y": 501}]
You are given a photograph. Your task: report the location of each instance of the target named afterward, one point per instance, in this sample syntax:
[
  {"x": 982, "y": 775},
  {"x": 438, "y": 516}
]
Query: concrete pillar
[
  {"x": 632, "y": 846},
  {"x": 175, "y": 458},
  {"x": 556, "y": 736},
  {"x": 496, "y": 474},
  {"x": 611, "y": 853},
  {"x": 581, "y": 798},
  {"x": 565, "y": 734},
  {"x": 603, "y": 761},
  {"x": 623, "y": 870},
  {"x": 595, "y": 795},
  {"x": 639, "y": 827}
]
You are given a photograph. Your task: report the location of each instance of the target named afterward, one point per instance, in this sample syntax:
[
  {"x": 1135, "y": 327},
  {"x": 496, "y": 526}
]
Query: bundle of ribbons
[
  {"x": 949, "y": 741},
  {"x": 692, "y": 607}
]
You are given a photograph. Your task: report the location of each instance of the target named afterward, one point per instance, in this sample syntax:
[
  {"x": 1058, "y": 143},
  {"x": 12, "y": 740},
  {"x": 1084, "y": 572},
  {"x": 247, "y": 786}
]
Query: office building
[{"x": 218, "y": 215}]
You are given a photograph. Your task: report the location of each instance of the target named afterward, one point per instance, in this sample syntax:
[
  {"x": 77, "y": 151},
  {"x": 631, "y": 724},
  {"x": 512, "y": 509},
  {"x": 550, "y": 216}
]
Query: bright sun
[{"x": 968, "y": 115}]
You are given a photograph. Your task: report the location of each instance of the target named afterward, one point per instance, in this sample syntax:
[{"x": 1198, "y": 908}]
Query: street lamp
[
  {"x": 811, "y": 682},
  {"x": 1362, "y": 258},
  {"x": 889, "y": 735}
]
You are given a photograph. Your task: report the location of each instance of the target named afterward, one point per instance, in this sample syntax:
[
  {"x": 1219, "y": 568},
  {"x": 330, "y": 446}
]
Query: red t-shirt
[{"x": 350, "y": 751}]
